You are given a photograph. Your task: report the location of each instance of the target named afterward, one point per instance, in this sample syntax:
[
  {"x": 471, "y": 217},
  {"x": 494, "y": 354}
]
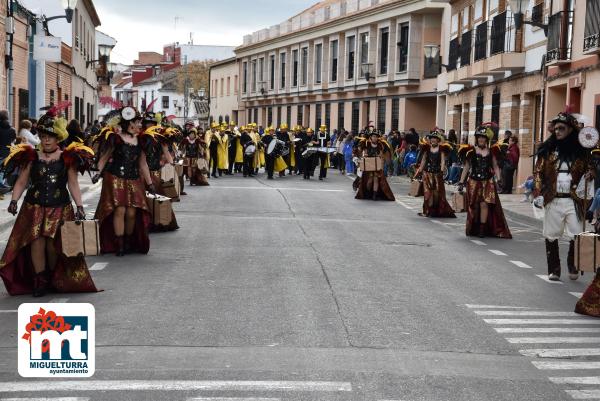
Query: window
[
  {"x": 364, "y": 51},
  {"x": 395, "y": 113},
  {"x": 288, "y": 115},
  {"x": 304, "y": 65},
  {"x": 269, "y": 116},
  {"x": 51, "y": 97},
  {"x": 351, "y": 54},
  {"x": 454, "y": 23},
  {"x": 235, "y": 85},
  {"x": 222, "y": 87},
  {"x": 76, "y": 27},
  {"x": 384, "y": 36},
  {"x": 253, "y": 75},
  {"x": 319, "y": 120},
  {"x": 228, "y": 86},
  {"x": 256, "y": 115},
  {"x": 295, "y": 68},
  {"x": 403, "y": 47},
  {"x": 282, "y": 69},
  {"x": 272, "y": 72},
  {"x": 318, "y": 63},
  {"x": 300, "y": 118},
  {"x": 334, "y": 60},
  {"x": 481, "y": 39},
  {"x": 244, "y": 77},
  {"x": 165, "y": 102},
  {"x": 279, "y": 115},
  {"x": 479, "y": 109},
  {"x": 381, "y": 104},
  {"x": 496, "y": 107},
  {"x": 249, "y": 116},
  {"x": 355, "y": 115},
  {"x": 328, "y": 116},
  {"x": 341, "y": 122},
  {"x": 261, "y": 69}
]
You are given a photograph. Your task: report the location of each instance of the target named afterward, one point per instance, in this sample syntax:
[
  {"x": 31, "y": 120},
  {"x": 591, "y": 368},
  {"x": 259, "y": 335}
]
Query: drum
[
  {"x": 250, "y": 149},
  {"x": 309, "y": 152},
  {"x": 275, "y": 148}
]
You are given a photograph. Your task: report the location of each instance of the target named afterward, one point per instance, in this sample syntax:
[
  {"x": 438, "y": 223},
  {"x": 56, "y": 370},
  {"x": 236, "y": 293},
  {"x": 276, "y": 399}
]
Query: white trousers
[{"x": 561, "y": 218}]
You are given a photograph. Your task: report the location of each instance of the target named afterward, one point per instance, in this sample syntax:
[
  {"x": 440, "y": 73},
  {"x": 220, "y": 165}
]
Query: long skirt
[
  {"x": 155, "y": 175},
  {"x": 384, "y": 191},
  {"x": 16, "y": 266},
  {"x": 196, "y": 175},
  {"x": 485, "y": 191},
  {"x": 127, "y": 193},
  {"x": 434, "y": 202},
  {"x": 589, "y": 304}
]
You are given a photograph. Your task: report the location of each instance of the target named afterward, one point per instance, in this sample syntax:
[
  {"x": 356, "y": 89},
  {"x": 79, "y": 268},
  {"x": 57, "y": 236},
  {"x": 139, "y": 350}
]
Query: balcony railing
[
  {"x": 453, "y": 54},
  {"x": 481, "y": 40},
  {"x": 465, "y": 48},
  {"x": 559, "y": 46},
  {"x": 591, "y": 37},
  {"x": 498, "y": 34}
]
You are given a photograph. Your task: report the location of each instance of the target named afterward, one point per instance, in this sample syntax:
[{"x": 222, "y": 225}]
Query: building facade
[
  {"x": 345, "y": 64},
  {"x": 58, "y": 80},
  {"x": 224, "y": 90}
]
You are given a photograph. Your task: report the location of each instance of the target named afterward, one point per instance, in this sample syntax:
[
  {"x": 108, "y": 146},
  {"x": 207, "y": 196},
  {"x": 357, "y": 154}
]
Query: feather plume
[
  {"x": 78, "y": 156},
  {"x": 19, "y": 156},
  {"x": 58, "y": 108},
  {"x": 151, "y": 105},
  {"x": 110, "y": 101}
]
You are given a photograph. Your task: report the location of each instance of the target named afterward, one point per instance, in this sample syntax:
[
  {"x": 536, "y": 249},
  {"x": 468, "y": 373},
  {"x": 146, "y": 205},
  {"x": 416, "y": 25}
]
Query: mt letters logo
[{"x": 56, "y": 340}]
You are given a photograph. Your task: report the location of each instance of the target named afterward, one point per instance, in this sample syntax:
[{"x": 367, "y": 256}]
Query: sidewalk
[{"x": 7, "y": 220}]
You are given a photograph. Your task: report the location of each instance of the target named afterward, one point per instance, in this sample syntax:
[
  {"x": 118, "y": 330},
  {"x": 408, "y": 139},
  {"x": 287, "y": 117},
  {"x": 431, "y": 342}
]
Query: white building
[{"x": 224, "y": 93}]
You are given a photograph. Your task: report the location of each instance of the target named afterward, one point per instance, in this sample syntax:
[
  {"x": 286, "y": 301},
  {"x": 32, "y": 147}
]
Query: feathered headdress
[
  {"x": 110, "y": 101},
  {"x": 79, "y": 156},
  {"x": 486, "y": 130},
  {"x": 52, "y": 124}
]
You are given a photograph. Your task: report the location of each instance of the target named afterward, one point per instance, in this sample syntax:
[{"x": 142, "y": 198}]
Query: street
[{"x": 293, "y": 290}]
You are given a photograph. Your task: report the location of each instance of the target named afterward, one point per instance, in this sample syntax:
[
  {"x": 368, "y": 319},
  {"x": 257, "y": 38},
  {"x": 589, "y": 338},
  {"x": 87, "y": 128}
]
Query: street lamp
[
  {"x": 69, "y": 6},
  {"x": 518, "y": 7},
  {"x": 201, "y": 93},
  {"x": 104, "y": 52},
  {"x": 365, "y": 69}
]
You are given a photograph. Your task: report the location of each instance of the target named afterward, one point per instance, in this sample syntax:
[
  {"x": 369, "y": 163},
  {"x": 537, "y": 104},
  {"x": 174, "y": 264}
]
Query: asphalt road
[{"x": 294, "y": 290}]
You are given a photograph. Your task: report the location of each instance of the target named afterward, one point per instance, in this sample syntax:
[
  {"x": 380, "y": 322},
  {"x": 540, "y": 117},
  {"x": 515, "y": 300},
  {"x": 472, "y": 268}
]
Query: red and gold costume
[
  {"x": 384, "y": 192},
  {"x": 432, "y": 168},
  {"x": 194, "y": 150}
]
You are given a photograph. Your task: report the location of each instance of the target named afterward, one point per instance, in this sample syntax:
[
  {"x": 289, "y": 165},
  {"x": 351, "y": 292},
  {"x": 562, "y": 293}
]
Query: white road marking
[
  {"x": 46, "y": 399},
  {"x": 175, "y": 385},
  {"x": 561, "y": 365},
  {"x": 477, "y": 242},
  {"x": 554, "y": 340},
  {"x": 232, "y": 399},
  {"x": 524, "y": 313},
  {"x": 282, "y": 189},
  {"x": 545, "y": 278},
  {"x": 577, "y": 294},
  {"x": 438, "y": 222},
  {"x": 98, "y": 266},
  {"x": 58, "y": 300},
  {"x": 584, "y": 394},
  {"x": 559, "y": 352},
  {"x": 404, "y": 204},
  {"x": 8, "y": 311},
  {"x": 472, "y": 306},
  {"x": 506, "y": 330},
  {"x": 497, "y": 252},
  {"x": 588, "y": 380},
  {"x": 543, "y": 321},
  {"x": 521, "y": 264}
]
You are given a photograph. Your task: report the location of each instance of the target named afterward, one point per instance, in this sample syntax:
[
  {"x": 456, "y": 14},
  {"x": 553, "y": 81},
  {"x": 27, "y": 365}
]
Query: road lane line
[
  {"x": 562, "y": 365},
  {"x": 587, "y": 380},
  {"x": 472, "y": 306},
  {"x": 577, "y": 294},
  {"x": 175, "y": 385},
  {"x": 559, "y": 352},
  {"x": 46, "y": 399},
  {"x": 584, "y": 394},
  {"x": 8, "y": 311},
  {"x": 232, "y": 399},
  {"x": 58, "y": 300},
  {"x": 506, "y": 330},
  {"x": 545, "y": 278},
  {"x": 404, "y": 204},
  {"x": 553, "y": 340},
  {"x": 524, "y": 313},
  {"x": 477, "y": 242},
  {"x": 521, "y": 264},
  {"x": 98, "y": 266},
  {"x": 595, "y": 322},
  {"x": 497, "y": 252}
]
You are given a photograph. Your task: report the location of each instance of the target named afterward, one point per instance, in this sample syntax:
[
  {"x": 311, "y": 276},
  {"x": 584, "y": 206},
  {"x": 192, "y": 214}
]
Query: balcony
[
  {"x": 481, "y": 41},
  {"x": 453, "y": 54},
  {"x": 466, "y": 43},
  {"x": 559, "y": 33},
  {"x": 503, "y": 56},
  {"x": 591, "y": 36}
]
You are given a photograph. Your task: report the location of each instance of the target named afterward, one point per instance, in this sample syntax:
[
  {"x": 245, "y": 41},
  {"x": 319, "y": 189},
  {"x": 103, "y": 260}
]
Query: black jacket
[{"x": 7, "y": 137}]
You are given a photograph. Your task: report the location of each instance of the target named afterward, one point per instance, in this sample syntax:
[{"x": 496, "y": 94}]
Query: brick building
[{"x": 58, "y": 80}]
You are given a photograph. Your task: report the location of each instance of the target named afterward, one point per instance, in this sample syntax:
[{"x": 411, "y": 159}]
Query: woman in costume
[
  {"x": 373, "y": 184},
  {"x": 194, "y": 150},
  {"x": 32, "y": 262},
  {"x": 485, "y": 217},
  {"x": 122, "y": 210},
  {"x": 433, "y": 168}
]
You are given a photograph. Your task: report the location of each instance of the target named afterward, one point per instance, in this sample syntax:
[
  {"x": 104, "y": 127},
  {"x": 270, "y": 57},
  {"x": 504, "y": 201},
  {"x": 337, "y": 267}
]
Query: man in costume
[
  {"x": 433, "y": 168},
  {"x": 309, "y": 140},
  {"x": 213, "y": 146},
  {"x": 233, "y": 148},
  {"x": 269, "y": 159},
  {"x": 561, "y": 164},
  {"x": 485, "y": 216},
  {"x": 299, "y": 147},
  {"x": 373, "y": 184},
  {"x": 323, "y": 139},
  {"x": 249, "y": 150},
  {"x": 223, "y": 148},
  {"x": 284, "y": 136}
]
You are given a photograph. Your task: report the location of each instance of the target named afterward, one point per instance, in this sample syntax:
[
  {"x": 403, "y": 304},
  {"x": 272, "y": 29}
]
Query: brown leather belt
[{"x": 563, "y": 195}]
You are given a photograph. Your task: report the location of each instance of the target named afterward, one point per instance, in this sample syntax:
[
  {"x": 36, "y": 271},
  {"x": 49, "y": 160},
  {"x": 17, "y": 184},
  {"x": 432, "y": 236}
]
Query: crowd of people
[{"x": 129, "y": 151}]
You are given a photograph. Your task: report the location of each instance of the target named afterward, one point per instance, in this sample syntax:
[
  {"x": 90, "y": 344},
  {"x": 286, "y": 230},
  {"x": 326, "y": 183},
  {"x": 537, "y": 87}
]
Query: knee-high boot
[
  {"x": 553, "y": 259},
  {"x": 573, "y": 274}
]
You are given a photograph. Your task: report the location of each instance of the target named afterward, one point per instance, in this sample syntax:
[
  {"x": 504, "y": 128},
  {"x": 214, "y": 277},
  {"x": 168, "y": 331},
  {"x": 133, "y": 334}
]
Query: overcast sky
[{"x": 146, "y": 25}]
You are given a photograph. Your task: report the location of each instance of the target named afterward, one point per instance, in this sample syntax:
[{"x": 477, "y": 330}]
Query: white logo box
[{"x": 79, "y": 360}]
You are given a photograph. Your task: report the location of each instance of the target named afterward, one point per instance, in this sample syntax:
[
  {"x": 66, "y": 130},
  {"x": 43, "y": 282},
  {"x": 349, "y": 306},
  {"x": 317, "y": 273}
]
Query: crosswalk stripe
[
  {"x": 497, "y": 252},
  {"x": 506, "y": 330},
  {"x": 176, "y": 385},
  {"x": 477, "y": 242},
  {"x": 98, "y": 266},
  {"x": 553, "y": 340},
  {"x": 521, "y": 264},
  {"x": 545, "y": 278},
  {"x": 584, "y": 394},
  {"x": 524, "y": 313},
  {"x": 543, "y": 321},
  {"x": 561, "y": 365},
  {"x": 587, "y": 380},
  {"x": 559, "y": 352},
  {"x": 472, "y": 306}
]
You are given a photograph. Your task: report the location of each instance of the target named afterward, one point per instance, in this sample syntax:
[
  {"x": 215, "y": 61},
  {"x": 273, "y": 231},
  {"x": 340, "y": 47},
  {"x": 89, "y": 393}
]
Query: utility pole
[{"x": 186, "y": 90}]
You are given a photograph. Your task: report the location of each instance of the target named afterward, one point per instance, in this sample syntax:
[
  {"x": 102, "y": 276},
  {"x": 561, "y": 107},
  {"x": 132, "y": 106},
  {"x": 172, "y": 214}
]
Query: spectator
[
  {"x": 25, "y": 134},
  {"x": 528, "y": 189},
  {"x": 507, "y": 136},
  {"x": 412, "y": 138},
  {"x": 95, "y": 128},
  {"x": 349, "y": 154},
  {"x": 410, "y": 158},
  {"x": 339, "y": 144},
  {"x": 511, "y": 163},
  {"x": 7, "y": 138},
  {"x": 455, "y": 167},
  {"x": 75, "y": 134}
]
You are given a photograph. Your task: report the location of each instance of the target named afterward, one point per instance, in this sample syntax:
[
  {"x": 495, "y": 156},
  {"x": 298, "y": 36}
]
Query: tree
[{"x": 197, "y": 74}]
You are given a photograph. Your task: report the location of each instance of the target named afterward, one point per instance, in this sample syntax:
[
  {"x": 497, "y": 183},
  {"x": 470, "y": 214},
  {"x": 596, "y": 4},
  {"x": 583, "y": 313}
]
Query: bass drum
[
  {"x": 250, "y": 150},
  {"x": 275, "y": 148}
]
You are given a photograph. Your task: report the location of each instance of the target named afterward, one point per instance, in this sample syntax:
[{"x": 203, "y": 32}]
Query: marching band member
[
  {"x": 309, "y": 164},
  {"x": 322, "y": 138},
  {"x": 249, "y": 152},
  {"x": 561, "y": 164},
  {"x": 259, "y": 156},
  {"x": 269, "y": 159},
  {"x": 299, "y": 147},
  {"x": 213, "y": 145},
  {"x": 233, "y": 147},
  {"x": 284, "y": 137},
  {"x": 122, "y": 210},
  {"x": 32, "y": 262},
  {"x": 223, "y": 149},
  {"x": 485, "y": 216},
  {"x": 373, "y": 184},
  {"x": 433, "y": 168}
]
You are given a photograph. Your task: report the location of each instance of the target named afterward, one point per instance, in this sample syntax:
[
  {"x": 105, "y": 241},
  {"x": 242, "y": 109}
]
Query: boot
[
  {"x": 573, "y": 273},
  {"x": 553, "y": 258},
  {"x": 127, "y": 244},
  {"x": 120, "y": 246},
  {"x": 482, "y": 230},
  {"x": 40, "y": 284}
]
